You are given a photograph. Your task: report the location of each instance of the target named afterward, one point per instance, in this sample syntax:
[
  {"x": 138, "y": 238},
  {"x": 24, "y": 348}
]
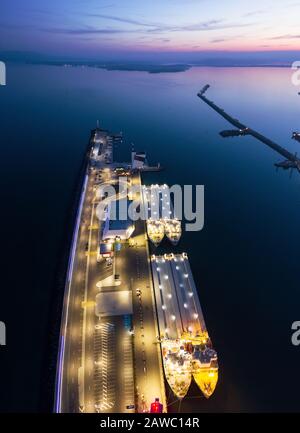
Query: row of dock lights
[
  {"x": 170, "y": 256},
  {"x": 164, "y": 219},
  {"x": 192, "y": 329},
  {"x": 160, "y": 286}
]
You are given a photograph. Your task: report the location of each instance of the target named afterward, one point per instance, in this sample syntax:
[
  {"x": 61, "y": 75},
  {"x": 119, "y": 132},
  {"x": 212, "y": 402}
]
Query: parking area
[
  {"x": 105, "y": 367},
  {"x": 128, "y": 372}
]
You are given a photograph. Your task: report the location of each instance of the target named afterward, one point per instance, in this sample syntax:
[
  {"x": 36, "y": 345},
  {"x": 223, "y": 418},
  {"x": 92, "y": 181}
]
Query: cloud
[
  {"x": 87, "y": 31},
  {"x": 216, "y": 41},
  {"x": 231, "y": 38},
  {"x": 198, "y": 27},
  {"x": 150, "y": 28},
  {"x": 285, "y": 37},
  {"x": 123, "y": 20},
  {"x": 253, "y": 13}
]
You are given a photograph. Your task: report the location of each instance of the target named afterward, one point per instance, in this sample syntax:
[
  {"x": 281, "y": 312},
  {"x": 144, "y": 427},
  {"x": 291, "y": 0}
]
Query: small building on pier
[{"x": 118, "y": 224}]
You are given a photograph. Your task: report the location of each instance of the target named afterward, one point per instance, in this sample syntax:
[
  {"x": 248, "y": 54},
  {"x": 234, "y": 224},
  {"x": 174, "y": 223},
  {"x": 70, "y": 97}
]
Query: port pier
[
  {"x": 119, "y": 339},
  {"x": 245, "y": 130}
]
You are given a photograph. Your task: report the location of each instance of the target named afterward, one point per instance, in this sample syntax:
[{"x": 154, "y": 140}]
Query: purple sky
[{"x": 173, "y": 29}]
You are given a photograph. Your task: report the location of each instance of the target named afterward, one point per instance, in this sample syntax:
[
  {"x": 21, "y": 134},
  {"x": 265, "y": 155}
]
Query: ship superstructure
[
  {"x": 186, "y": 347},
  {"x": 160, "y": 214}
]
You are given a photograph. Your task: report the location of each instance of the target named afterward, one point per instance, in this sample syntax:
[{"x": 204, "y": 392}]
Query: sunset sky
[{"x": 87, "y": 28}]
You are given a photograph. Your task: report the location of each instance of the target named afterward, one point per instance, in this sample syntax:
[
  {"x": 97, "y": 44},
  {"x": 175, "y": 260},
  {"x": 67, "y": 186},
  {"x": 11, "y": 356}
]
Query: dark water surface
[{"x": 246, "y": 259}]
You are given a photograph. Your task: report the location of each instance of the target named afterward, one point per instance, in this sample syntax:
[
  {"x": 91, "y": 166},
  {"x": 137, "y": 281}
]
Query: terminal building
[
  {"x": 138, "y": 160},
  {"x": 118, "y": 224},
  {"x": 99, "y": 139},
  {"x": 105, "y": 250},
  {"x": 102, "y": 148}
]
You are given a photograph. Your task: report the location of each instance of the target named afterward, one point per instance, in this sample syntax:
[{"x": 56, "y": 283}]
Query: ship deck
[
  {"x": 178, "y": 304},
  {"x": 186, "y": 348}
]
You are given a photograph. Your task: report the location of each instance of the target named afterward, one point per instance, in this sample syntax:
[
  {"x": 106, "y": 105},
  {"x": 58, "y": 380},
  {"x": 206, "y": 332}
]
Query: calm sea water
[{"x": 245, "y": 260}]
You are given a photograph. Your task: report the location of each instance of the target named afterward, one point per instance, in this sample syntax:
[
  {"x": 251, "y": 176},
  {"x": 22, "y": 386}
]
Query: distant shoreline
[
  {"x": 129, "y": 67},
  {"x": 150, "y": 68}
]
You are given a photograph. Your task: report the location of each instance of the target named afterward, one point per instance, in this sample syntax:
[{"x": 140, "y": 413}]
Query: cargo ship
[
  {"x": 173, "y": 230},
  {"x": 177, "y": 366},
  {"x": 186, "y": 348},
  {"x": 205, "y": 369},
  {"x": 160, "y": 215},
  {"x": 155, "y": 231}
]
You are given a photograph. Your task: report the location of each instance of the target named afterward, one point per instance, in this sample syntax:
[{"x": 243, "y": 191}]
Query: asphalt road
[
  {"x": 147, "y": 355},
  {"x": 104, "y": 368}
]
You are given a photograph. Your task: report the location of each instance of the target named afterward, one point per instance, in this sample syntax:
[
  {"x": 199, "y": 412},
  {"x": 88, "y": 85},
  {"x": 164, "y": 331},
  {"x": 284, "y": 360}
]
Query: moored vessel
[
  {"x": 173, "y": 230},
  {"x": 205, "y": 369},
  {"x": 156, "y": 231},
  {"x": 187, "y": 350},
  {"x": 177, "y": 366}
]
